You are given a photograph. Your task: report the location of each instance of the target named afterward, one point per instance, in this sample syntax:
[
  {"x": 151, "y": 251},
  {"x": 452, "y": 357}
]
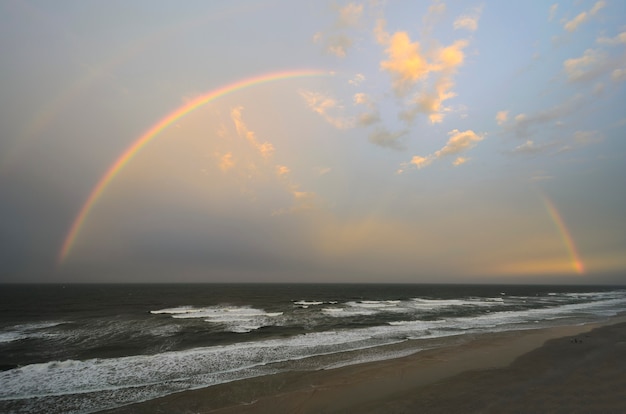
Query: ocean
[{"x": 86, "y": 348}]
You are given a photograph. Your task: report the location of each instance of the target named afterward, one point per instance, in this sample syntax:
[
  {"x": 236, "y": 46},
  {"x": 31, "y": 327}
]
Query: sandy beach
[{"x": 570, "y": 369}]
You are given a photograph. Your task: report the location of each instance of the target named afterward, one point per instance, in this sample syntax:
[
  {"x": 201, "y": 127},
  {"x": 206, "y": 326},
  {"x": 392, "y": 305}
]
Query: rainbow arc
[{"x": 153, "y": 132}]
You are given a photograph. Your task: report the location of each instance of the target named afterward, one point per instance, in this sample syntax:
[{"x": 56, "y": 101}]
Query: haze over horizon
[{"x": 287, "y": 141}]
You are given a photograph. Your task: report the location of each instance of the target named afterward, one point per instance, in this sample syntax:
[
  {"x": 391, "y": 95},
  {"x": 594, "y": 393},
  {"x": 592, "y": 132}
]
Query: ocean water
[{"x": 86, "y": 348}]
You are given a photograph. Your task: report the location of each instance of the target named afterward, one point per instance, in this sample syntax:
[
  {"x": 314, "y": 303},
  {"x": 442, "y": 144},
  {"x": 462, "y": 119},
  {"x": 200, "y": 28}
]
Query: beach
[{"x": 569, "y": 369}]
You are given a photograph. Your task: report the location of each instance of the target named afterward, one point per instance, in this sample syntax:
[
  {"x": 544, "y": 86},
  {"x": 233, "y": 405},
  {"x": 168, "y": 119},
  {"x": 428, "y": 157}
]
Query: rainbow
[
  {"x": 150, "y": 134},
  {"x": 577, "y": 263}
]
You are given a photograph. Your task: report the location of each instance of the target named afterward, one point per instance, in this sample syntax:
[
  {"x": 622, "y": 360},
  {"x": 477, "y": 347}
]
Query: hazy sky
[{"x": 364, "y": 141}]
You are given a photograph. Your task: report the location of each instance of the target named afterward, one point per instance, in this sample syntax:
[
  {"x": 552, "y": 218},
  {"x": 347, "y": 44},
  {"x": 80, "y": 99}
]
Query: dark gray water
[{"x": 84, "y": 348}]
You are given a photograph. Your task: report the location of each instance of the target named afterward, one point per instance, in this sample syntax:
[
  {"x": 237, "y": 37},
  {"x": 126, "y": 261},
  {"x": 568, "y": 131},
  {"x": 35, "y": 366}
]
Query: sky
[{"x": 327, "y": 141}]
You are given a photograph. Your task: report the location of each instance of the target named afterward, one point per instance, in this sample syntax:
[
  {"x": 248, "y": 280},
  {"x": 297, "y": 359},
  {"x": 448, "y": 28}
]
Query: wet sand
[{"x": 578, "y": 370}]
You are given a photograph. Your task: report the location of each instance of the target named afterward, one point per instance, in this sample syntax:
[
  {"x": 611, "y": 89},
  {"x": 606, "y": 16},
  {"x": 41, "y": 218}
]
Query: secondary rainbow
[
  {"x": 577, "y": 263},
  {"x": 151, "y": 133}
]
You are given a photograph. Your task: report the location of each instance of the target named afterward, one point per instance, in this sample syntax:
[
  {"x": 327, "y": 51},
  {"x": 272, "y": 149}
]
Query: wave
[{"x": 239, "y": 319}]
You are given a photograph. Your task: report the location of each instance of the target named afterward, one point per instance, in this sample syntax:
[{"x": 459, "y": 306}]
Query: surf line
[
  {"x": 577, "y": 263},
  {"x": 154, "y": 130}
]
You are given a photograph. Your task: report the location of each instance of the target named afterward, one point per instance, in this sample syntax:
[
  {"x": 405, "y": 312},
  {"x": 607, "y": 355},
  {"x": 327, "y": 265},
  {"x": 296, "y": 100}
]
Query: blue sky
[{"x": 441, "y": 141}]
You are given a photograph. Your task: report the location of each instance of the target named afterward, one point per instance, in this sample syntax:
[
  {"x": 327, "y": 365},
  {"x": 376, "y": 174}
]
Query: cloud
[
  {"x": 552, "y": 12},
  {"x": 325, "y": 106},
  {"x": 385, "y": 138},
  {"x": 362, "y": 99},
  {"x": 421, "y": 162},
  {"x": 579, "y": 139},
  {"x": 266, "y": 149},
  {"x": 468, "y": 21},
  {"x": 618, "y": 75},
  {"x": 336, "y": 41},
  {"x": 587, "y": 137},
  {"x": 459, "y": 142},
  {"x": 338, "y": 45},
  {"x": 596, "y": 7},
  {"x": 502, "y": 117},
  {"x": 323, "y": 170},
  {"x": 595, "y": 63},
  {"x": 366, "y": 118},
  {"x": 282, "y": 170},
  {"x": 425, "y": 74},
  {"x": 619, "y": 39},
  {"x": 350, "y": 15},
  {"x": 226, "y": 161},
  {"x": 302, "y": 201},
  {"x": 523, "y": 124},
  {"x": 541, "y": 177},
  {"x": 573, "y": 24},
  {"x": 437, "y": 8},
  {"x": 529, "y": 147},
  {"x": 406, "y": 62},
  {"x": 589, "y": 66},
  {"x": 459, "y": 161},
  {"x": 357, "y": 80}
]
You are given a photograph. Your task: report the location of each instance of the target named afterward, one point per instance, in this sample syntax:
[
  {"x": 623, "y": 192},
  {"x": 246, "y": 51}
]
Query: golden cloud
[
  {"x": 266, "y": 149},
  {"x": 325, "y": 105},
  {"x": 459, "y": 161},
  {"x": 501, "y": 117},
  {"x": 459, "y": 141},
  {"x": 428, "y": 73},
  {"x": 226, "y": 161}
]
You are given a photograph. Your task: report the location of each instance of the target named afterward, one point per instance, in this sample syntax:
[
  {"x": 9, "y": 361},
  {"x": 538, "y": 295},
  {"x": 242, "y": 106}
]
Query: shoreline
[{"x": 381, "y": 386}]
